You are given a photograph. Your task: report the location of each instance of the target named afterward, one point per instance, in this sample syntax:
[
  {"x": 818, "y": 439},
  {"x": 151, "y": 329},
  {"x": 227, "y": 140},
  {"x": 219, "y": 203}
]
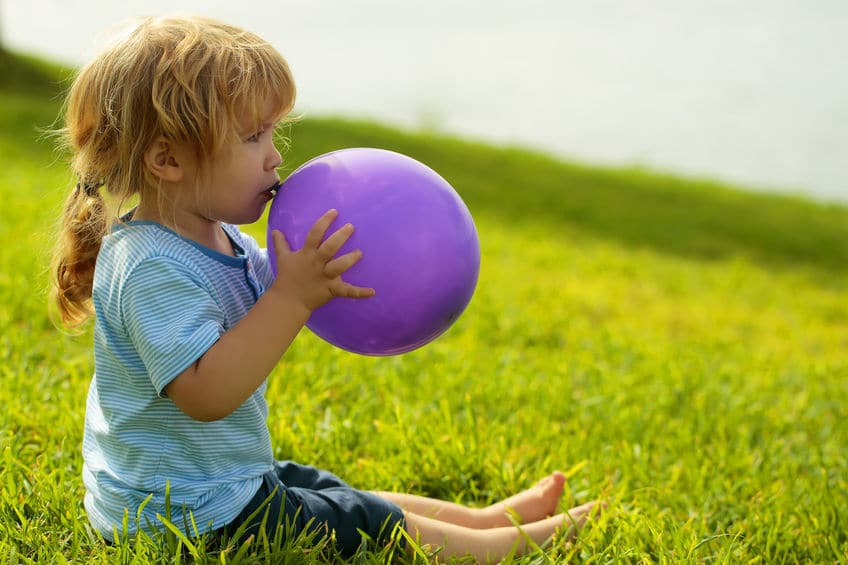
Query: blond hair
[{"x": 187, "y": 79}]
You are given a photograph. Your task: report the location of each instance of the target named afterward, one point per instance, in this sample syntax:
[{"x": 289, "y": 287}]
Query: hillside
[{"x": 679, "y": 348}]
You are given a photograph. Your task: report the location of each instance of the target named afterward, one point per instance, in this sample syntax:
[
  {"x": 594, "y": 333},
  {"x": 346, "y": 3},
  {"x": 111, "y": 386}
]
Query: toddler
[{"x": 175, "y": 120}]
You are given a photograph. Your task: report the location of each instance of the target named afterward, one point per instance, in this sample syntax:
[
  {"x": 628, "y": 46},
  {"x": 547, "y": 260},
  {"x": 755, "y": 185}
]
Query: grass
[{"x": 678, "y": 347}]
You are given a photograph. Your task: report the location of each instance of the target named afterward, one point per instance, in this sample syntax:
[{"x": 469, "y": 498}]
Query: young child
[{"x": 178, "y": 115}]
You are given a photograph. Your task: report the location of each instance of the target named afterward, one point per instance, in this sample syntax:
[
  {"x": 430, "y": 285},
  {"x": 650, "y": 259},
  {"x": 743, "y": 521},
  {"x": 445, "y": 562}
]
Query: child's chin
[{"x": 245, "y": 218}]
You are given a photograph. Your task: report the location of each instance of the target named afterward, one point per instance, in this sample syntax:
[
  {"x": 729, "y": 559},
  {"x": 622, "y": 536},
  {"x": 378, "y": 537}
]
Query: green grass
[{"x": 680, "y": 348}]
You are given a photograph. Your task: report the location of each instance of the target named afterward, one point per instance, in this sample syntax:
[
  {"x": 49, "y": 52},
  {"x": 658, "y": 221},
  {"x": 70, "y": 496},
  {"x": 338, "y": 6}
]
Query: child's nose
[{"x": 274, "y": 159}]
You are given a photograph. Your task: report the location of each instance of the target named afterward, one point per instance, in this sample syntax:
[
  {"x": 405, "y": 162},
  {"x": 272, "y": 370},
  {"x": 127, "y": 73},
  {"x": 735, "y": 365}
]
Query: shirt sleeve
[{"x": 171, "y": 317}]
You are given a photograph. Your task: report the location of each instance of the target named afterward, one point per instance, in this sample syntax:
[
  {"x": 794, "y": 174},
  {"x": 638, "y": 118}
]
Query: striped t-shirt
[{"x": 161, "y": 301}]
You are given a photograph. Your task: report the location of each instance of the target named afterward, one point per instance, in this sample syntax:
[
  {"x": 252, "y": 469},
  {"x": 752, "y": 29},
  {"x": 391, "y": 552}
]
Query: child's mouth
[{"x": 273, "y": 190}]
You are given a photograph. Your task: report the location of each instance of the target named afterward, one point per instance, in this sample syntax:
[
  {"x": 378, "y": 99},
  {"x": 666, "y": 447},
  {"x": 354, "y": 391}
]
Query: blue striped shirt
[{"x": 161, "y": 301}]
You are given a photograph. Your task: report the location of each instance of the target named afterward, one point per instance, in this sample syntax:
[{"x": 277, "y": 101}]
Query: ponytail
[{"x": 84, "y": 223}]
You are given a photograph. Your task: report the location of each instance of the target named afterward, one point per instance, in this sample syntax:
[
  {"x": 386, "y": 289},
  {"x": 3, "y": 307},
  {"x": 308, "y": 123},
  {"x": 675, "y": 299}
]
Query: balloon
[{"x": 420, "y": 248}]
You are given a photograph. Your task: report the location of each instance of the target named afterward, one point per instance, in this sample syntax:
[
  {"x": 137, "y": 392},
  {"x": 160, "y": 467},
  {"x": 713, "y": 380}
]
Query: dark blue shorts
[{"x": 306, "y": 497}]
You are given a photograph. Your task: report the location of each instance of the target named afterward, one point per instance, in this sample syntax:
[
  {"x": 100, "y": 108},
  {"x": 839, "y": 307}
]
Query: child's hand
[{"x": 311, "y": 275}]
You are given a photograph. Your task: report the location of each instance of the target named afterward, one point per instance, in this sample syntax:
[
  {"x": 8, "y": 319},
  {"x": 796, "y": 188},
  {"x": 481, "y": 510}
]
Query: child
[{"x": 179, "y": 113}]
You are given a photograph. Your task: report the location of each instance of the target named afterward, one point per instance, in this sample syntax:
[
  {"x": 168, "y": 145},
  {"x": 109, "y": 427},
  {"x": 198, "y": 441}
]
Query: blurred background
[{"x": 753, "y": 93}]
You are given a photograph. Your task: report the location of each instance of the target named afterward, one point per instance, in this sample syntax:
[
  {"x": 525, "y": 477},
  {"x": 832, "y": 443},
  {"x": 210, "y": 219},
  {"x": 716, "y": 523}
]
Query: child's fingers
[
  {"x": 281, "y": 244},
  {"x": 319, "y": 228},
  {"x": 332, "y": 244},
  {"x": 339, "y": 265},
  {"x": 346, "y": 290}
]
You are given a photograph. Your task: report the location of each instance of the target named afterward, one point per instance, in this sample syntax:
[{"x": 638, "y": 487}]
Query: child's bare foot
[
  {"x": 577, "y": 517},
  {"x": 531, "y": 505},
  {"x": 494, "y": 544}
]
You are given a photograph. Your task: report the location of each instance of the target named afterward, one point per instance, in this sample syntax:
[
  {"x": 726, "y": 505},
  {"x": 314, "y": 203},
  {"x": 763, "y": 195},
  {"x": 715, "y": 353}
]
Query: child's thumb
[{"x": 281, "y": 246}]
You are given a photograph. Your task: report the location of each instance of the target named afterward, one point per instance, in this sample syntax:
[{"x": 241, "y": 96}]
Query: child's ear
[{"x": 163, "y": 159}]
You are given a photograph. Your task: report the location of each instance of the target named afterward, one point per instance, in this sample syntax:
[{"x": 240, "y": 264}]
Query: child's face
[{"x": 239, "y": 181}]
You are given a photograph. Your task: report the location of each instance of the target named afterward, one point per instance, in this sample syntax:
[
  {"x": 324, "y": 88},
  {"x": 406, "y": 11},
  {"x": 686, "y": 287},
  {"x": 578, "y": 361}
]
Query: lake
[{"x": 753, "y": 93}]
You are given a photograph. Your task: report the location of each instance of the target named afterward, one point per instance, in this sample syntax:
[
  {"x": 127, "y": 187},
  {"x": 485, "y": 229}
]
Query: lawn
[{"x": 678, "y": 347}]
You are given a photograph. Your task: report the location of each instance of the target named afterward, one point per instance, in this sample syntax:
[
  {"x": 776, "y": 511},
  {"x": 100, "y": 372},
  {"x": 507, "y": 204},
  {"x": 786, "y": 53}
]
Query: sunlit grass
[{"x": 665, "y": 343}]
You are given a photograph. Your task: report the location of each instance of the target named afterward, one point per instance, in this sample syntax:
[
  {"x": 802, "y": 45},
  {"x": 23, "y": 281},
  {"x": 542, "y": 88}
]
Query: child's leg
[
  {"x": 535, "y": 503},
  {"x": 492, "y": 545},
  {"x": 315, "y": 501},
  {"x": 435, "y": 509}
]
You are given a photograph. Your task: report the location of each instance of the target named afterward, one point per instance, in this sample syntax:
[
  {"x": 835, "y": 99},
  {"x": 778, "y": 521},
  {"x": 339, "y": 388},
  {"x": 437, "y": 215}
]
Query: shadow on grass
[{"x": 696, "y": 219}]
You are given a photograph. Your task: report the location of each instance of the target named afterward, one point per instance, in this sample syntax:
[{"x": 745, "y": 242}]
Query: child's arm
[{"x": 234, "y": 367}]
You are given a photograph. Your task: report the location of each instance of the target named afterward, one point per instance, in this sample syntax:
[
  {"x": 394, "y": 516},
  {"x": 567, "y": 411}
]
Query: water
[{"x": 753, "y": 93}]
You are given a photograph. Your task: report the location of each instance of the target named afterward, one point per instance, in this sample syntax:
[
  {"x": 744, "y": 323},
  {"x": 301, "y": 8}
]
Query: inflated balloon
[{"x": 419, "y": 243}]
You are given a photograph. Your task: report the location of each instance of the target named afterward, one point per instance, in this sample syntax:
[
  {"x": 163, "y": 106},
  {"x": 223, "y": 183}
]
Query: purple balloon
[{"x": 419, "y": 243}]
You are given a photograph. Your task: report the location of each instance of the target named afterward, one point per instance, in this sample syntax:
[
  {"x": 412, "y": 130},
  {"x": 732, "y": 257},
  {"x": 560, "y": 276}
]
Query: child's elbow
[
  {"x": 203, "y": 415},
  {"x": 202, "y": 412},
  {"x": 195, "y": 402}
]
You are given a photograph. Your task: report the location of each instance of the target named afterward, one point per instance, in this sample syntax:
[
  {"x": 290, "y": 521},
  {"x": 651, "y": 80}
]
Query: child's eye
[{"x": 255, "y": 137}]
